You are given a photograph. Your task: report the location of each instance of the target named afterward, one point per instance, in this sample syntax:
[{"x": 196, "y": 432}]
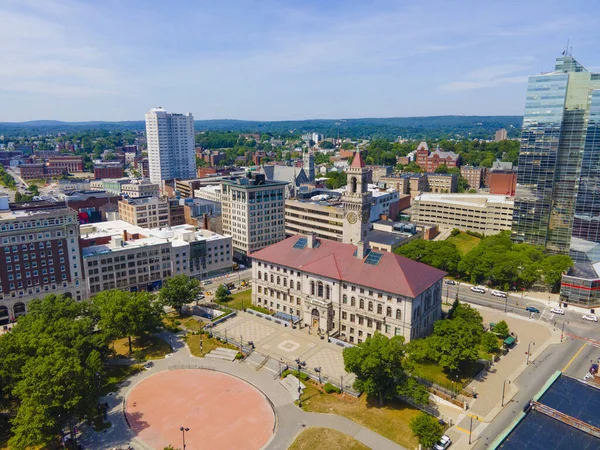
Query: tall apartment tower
[
  {"x": 171, "y": 147},
  {"x": 501, "y": 135},
  {"x": 557, "y": 205},
  {"x": 308, "y": 159},
  {"x": 356, "y": 202}
]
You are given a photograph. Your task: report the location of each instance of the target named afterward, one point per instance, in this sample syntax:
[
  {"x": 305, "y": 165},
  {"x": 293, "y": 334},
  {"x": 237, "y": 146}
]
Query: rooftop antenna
[{"x": 568, "y": 51}]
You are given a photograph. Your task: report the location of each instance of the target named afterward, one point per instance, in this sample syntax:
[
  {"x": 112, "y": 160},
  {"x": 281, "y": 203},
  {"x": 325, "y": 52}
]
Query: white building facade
[{"x": 171, "y": 146}]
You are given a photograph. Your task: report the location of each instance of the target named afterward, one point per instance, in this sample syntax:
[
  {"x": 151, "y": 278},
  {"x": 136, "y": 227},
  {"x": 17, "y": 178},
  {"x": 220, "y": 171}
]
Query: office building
[
  {"x": 323, "y": 216},
  {"x": 211, "y": 192},
  {"x": 146, "y": 212},
  {"x": 69, "y": 163},
  {"x": 253, "y": 213},
  {"x": 346, "y": 291},
  {"x": 140, "y": 188},
  {"x": 486, "y": 214},
  {"x": 503, "y": 182},
  {"x": 556, "y": 205},
  {"x": 443, "y": 183},
  {"x": 117, "y": 255},
  {"x": 171, "y": 147},
  {"x": 39, "y": 246}
]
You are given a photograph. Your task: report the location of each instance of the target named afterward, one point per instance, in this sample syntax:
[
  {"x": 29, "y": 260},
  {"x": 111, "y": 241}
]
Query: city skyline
[{"x": 77, "y": 61}]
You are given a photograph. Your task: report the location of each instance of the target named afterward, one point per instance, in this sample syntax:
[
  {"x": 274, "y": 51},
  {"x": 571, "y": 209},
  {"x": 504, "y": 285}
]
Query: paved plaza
[{"x": 284, "y": 343}]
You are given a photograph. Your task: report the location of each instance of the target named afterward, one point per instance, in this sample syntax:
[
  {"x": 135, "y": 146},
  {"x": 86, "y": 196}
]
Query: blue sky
[{"x": 278, "y": 60}]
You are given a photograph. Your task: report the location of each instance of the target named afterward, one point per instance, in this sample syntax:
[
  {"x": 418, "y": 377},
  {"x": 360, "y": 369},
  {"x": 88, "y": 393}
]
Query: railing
[
  {"x": 190, "y": 366},
  {"x": 564, "y": 418}
]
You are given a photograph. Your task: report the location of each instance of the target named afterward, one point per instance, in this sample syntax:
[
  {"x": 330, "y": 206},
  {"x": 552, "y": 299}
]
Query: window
[
  {"x": 362, "y": 304},
  {"x": 278, "y": 280},
  {"x": 379, "y": 308},
  {"x": 272, "y": 278},
  {"x": 398, "y": 314},
  {"x": 259, "y": 275},
  {"x": 352, "y": 301},
  {"x": 370, "y": 306},
  {"x": 345, "y": 299},
  {"x": 388, "y": 311},
  {"x": 320, "y": 289},
  {"x": 298, "y": 286}
]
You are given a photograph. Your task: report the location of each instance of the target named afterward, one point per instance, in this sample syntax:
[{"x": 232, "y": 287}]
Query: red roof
[
  {"x": 357, "y": 162},
  {"x": 395, "y": 274}
]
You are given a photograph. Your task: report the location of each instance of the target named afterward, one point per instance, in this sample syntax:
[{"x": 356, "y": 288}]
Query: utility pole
[
  {"x": 503, "y": 386},
  {"x": 470, "y": 429}
]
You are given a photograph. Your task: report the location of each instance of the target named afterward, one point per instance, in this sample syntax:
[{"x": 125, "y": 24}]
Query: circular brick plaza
[{"x": 221, "y": 411}]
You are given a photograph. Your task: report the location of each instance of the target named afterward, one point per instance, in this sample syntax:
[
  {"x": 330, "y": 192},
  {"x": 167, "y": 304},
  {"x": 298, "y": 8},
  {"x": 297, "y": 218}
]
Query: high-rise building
[
  {"x": 253, "y": 213},
  {"x": 501, "y": 135},
  {"x": 308, "y": 164},
  {"x": 556, "y": 203},
  {"x": 171, "y": 149}
]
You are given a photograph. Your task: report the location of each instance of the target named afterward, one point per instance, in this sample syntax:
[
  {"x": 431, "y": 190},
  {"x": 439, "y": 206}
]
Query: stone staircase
[
  {"x": 291, "y": 383},
  {"x": 224, "y": 354}
]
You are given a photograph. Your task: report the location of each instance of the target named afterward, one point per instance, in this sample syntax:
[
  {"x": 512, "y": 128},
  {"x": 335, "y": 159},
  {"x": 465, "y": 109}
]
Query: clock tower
[{"x": 356, "y": 202}]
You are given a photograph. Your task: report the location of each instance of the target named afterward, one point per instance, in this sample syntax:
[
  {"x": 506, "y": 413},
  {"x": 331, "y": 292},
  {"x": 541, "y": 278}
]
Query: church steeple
[{"x": 356, "y": 202}]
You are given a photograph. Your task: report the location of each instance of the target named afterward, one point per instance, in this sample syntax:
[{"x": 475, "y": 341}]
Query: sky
[{"x": 282, "y": 59}]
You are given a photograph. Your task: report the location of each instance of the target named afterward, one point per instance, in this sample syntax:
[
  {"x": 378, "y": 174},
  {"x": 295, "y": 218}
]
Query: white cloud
[{"x": 488, "y": 77}]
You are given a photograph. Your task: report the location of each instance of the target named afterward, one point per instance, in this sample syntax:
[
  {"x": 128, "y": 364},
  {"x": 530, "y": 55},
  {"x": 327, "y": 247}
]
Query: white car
[
  {"x": 479, "y": 289},
  {"x": 557, "y": 311},
  {"x": 499, "y": 294},
  {"x": 590, "y": 317},
  {"x": 443, "y": 443}
]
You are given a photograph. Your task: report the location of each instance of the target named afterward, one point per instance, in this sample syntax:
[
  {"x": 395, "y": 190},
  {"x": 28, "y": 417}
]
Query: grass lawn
[
  {"x": 145, "y": 348},
  {"x": 116, "y": 374},
  {"x": 315, "y": 438},
  {"x": 391, "y": 421},
  {"x": 433, "y": 372},
  {"x": 239, "y": 300},
  {"x": 208, "y": 344},
  {"x": 464, "y": 242},
  {"x": 175, "y": 322}
]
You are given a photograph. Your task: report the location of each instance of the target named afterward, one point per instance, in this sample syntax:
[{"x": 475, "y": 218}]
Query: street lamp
[
  {"x": 562, "y": 331},
  {"x": 503, "y": 386},
  {"x": 183, "y": 430},
  {"x": 470, "y": 429},
  {"x": 529, "y": 350},
  {"x": 318, "y": 370}
]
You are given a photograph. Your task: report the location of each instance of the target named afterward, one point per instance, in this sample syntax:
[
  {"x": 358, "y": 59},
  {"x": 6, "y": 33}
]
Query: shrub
[
  {"x": 501, "y": 329},
  {"x": 285, "y": 373},
  {"x": 331, "y": 389},
  {"x": 139, "y": 355},
  {"x": 177, "y": 322},
  {"x": 455, "y": 232},
  {"x": 238, "y": 355}
]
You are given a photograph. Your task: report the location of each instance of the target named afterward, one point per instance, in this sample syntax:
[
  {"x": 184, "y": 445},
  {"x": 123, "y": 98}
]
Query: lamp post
[
  {"x": 299, "y": 384},
  {"x": 529, "y": 350},
  {"x": 447, "y": 292},
  {"x": 562, "y": 331},
  {"x": 470, "y": 429},
  {"x": 183, "y": 430},
  {"x": 505, "y": 303},
  {"x": 318, "y": 370},
  {"x": 503, "y": 386}
]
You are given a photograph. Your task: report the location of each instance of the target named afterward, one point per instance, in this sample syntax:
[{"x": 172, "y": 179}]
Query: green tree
[
  {"x": 427, "y": 429},
  {"x": 489, "y": 342},
  {"x": 409, "y": 387},
  {"x": 180, "y": 290},
  {"x": 461, "y": 184},
  {"x": 442, "y": 168},
  {"x": 326, "y": 145},
  {"x": 377, "y": 364},
  {"x": 412, "y": 167},
  {"x": 501, "y": 329},
  {"x": 127, "y": 314},
  {"x": 348, "y": 146},
  {"x": 221, "y": 294},
  {"x": 553, "y": 267}
]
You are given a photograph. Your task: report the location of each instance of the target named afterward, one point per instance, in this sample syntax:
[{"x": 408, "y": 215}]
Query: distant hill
[{"x": 391, "y": 128}]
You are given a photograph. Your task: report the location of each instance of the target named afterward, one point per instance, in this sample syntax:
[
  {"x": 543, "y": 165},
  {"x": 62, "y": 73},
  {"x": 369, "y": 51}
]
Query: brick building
[
  {"x": 475, "y": 176},
  {"x": 108, "y": 170},
  {"x": 40, "y": 171},
  {"x": 70, "y": 163},
  {"x": 503, "y": 182},
  {"x": 430, "y": 161}
]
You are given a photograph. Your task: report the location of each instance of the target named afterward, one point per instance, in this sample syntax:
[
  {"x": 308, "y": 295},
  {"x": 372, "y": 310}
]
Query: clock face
[
  {"x": 352, "y": 217},
  {"x": 365, "y": 217}
]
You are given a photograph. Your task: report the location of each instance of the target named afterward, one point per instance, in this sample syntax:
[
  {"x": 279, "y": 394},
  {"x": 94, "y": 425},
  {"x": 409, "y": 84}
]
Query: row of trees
[
  {"x": 52, "y": 365},
  {"x": 495, "y": 261}
]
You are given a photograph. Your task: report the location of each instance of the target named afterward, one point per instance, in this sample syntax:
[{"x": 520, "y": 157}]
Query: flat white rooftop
[{"x": 472, "y": 200}]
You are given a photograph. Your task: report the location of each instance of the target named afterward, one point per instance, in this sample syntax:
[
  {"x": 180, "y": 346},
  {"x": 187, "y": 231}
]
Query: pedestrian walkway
[{"x": 290, "y": 420}]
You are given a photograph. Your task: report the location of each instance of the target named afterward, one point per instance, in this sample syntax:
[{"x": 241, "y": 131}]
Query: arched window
[
  {"x": 285, "y": 282},
  {"x": 398, "y": 314},
  {"x": 312, "y": 288},
  {"x": 345, "y": 299},
  {"x": 319, "y": 289},
  {"x": 379, "y": 308},
  {"x": 259, "y": 275},
  {"x": 272, "y": 278},
  {"x": 353, "y": 185},
  {"x": 352, "y": 301},
  {"x": 278, "y": 280},
  {"x": 362, "y": 304},
  {"x": 327, "y": 292},
  {"x": 388, "y": 311},
  {"x": 298, "y": 286},
  {"x": 371, "y": 306}
]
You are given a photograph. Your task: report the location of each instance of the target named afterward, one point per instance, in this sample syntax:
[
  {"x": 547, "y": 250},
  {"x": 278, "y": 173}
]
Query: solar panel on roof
[
  {"x": 373, "y": 258},
  {"x": 301, "y": 243}
]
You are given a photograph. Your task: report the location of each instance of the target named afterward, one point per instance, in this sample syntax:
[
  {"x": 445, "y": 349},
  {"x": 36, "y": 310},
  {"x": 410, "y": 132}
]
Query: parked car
[
  {"x": 499, "y": 294},
  {"x": 206, "y": 282},
  {"x": 532, "y": 309},
  {"x": 452, "y": 282},
  {"x": 443, "y": 443},
  {"x": 478, "y": 289},
  {"x": 557, "y": 311},
  {"x": 590, "y": 317}
]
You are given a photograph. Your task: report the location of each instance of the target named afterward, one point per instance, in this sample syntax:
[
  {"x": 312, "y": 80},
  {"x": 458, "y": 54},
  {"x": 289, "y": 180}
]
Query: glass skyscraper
[{"x": 557, "y": 204}]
